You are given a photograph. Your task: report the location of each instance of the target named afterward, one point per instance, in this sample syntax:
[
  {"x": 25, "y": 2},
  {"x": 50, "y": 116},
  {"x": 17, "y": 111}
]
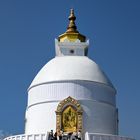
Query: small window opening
[{"x": 71, "y": 51}]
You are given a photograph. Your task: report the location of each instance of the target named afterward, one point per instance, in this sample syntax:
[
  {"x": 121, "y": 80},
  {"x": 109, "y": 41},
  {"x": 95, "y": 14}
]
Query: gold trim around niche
[{"x": 69, "y": 116}]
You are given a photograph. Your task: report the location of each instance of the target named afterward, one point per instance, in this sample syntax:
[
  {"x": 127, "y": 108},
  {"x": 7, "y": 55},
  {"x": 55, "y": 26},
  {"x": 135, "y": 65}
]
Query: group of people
[{"x": 60, "y": 135}]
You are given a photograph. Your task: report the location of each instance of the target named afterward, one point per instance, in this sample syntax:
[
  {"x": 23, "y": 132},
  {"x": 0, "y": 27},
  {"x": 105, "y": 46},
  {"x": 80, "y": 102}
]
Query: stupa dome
[{"x": 70, "y": 68}]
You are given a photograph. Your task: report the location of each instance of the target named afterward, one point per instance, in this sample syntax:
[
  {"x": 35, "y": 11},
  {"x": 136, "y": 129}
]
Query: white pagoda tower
[{"x": 71, "y": 94}]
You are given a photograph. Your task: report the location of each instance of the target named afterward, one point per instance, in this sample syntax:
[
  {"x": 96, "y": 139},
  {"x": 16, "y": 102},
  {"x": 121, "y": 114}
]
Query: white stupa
[{"x": 71, "y": 94}]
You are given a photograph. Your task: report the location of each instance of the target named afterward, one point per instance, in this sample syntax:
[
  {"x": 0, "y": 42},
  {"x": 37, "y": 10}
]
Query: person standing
[
  {"x": 51, "y": 135},
  {"x": 79, "y": 135}
]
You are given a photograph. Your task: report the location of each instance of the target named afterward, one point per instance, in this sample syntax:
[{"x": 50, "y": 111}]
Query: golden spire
[
  {"x": 71, "y": 34},
  {"x": 72, "y": 27}
]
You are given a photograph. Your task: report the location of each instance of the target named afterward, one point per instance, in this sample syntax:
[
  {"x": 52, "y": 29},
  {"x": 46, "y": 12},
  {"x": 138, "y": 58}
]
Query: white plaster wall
[
  {"x": 78, "y": 89},
  {"x": 98, "y": 101},
  {"x": 70, "y": 68},
  {"x": 41, "y": 118},
  {"x": 97, "y": 117}
]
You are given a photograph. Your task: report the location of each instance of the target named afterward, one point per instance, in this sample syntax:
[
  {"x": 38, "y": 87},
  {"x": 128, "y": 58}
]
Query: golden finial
[
  {"x": 72, "y": 27},
  {"x": 72, "y": 34}
]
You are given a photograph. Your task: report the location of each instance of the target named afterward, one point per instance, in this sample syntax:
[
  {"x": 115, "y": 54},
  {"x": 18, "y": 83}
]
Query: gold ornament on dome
[
  {"x": 69, "y": 115},
  {"x": 69, "y": 119}
]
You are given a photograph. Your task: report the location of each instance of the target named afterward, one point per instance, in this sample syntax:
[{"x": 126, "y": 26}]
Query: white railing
[
  {"x": 94, "y": 136},
  {"x": 88, "y": 136},
  {"x": 28, "y": 137}
]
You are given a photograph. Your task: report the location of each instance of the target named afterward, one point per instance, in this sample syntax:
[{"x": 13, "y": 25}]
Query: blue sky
[{"x": 27, "y": 32}]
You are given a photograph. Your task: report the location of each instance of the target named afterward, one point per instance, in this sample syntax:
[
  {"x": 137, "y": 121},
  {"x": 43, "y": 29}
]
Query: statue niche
[
  {"x": 69, "y": 116},
  {"x": 69, "y": 119}
]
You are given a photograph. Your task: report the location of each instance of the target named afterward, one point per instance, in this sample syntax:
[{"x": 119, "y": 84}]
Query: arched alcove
[{"x": 69, "y": 115}]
